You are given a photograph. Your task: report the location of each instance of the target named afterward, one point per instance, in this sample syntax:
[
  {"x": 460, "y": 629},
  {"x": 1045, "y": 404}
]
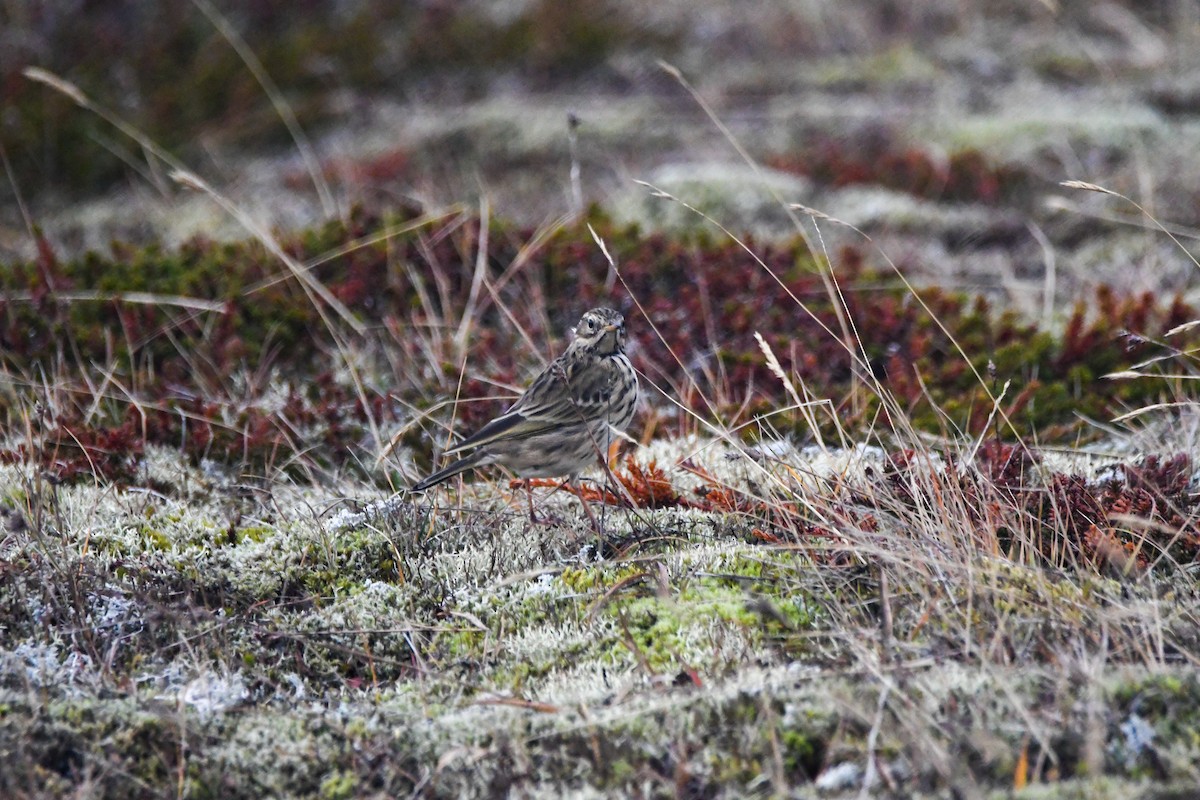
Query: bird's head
[{"x": 601, "y": 331}]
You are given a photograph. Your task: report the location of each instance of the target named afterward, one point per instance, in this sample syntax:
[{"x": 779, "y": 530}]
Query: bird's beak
[{"x": 611, "y": 328}]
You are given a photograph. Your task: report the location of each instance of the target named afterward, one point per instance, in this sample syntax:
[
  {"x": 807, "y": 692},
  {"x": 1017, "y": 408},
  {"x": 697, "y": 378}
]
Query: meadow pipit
[{"x": 565, "y": 419}]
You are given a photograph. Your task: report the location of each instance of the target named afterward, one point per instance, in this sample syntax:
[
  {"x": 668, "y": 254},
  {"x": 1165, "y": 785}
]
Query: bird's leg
[
  {"x": 529, "y": 495},
  {"x": 548, "y": 518},
  {"x": 587, "y": 509}
]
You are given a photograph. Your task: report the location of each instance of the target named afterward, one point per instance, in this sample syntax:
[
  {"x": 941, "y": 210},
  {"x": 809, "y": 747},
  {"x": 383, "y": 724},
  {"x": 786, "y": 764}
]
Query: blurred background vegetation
[{"x": 170, "y": 71}]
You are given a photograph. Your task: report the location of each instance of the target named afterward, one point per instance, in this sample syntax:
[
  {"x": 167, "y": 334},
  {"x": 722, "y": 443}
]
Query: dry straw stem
[
  {"x": 984, "y": 431},
  {"x": 311, "y": 163},
  {"x": 826, "y": 275},
  {"x": 1183, "y": 328},
  {"x": 314, "y": 288},
  {"x": 1062, "y": 203},
  {"x": 1088, "y": 187},
  {"x": 481, "y": 260},
  {"x": 777, "y": 370},
  {"x": 185, "y": 177},
  {"x": 1050, "y": 262},
  {"x": 378, "y": 237},
  {"x": 138, "y": 298},
  {"x": 1093, "y": 187},
  {"x": 317, "y": 293},
  {"x": 1137, "y": 412},
  {"x": 718, "y": 430}
]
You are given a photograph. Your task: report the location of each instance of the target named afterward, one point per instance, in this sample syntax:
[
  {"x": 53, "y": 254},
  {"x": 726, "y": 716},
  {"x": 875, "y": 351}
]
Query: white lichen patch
[
  {"x": 875, "y": 207},
  {"x": 740, "y": 197},
  {"x": 1098, "y": 466},
  {"x": 52, "y": 666},
  {"x": 373, "y": 605},
  {"x": 550, "y": 644},
  {"x": 698, "y": 463},
  {"x": 211, "y": 693},
  {"x": 163, "y": 466},
  {"x": 588, "y": 681}
]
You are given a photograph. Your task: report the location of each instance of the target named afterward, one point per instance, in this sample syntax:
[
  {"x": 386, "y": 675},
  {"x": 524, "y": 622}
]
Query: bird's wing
[
  {"x": 512, "y": 425},
  {"x": 566, "y": 392}
]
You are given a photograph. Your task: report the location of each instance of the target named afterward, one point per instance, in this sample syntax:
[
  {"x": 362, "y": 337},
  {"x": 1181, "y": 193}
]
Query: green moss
[
  {"x": 155, "y": 538},
  {"x": 253, "y": 533},
  {"x": 464, "y": 644},
  {"x": 596, "y": 579},
  {"x": 798, "y": 750},
  {"x": 339, "y": 786},
  {"x": 662, "y": 630},
  {"x": 898, "y": 64},
  {"x": 621, "y": 772}
]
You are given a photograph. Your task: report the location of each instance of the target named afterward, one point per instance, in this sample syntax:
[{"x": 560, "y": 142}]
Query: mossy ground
[{"x": 239, "y": 645}]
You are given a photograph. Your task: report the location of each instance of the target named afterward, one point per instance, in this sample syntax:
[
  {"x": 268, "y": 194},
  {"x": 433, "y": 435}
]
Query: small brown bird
[{"x": 565, "y": 420}]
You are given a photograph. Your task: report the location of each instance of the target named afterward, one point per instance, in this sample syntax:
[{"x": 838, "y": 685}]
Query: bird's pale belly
[{"x": 555, "y": 454}]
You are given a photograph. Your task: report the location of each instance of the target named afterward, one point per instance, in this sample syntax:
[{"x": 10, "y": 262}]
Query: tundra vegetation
[{"x": 911, "y": 506}]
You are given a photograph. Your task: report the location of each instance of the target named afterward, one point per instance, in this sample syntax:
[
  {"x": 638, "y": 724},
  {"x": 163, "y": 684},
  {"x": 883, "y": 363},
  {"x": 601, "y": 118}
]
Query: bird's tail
[{"x": 462, "y": 465}]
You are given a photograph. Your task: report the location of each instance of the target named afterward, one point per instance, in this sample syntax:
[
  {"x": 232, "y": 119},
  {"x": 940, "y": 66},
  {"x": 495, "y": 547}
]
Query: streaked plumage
[{"x": 564, "y": 421}]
